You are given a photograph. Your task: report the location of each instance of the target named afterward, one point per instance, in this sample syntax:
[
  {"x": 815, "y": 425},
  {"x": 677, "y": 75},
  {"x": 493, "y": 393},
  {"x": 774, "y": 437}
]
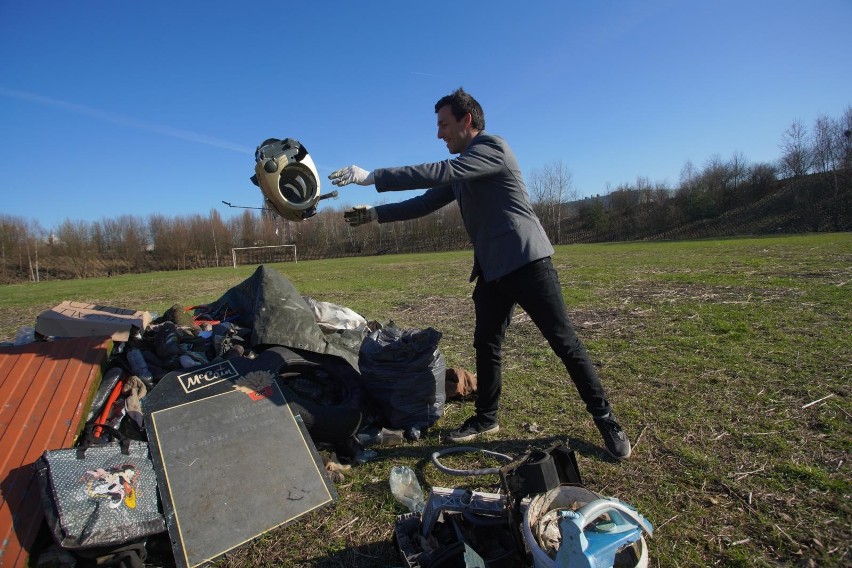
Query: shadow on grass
[
  {"x": 515, "y": 448},
  {"x": 370, "y": 555}
]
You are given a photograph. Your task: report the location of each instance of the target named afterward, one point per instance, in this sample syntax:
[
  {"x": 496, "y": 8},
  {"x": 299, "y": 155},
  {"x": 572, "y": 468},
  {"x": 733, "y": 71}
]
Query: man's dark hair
[{"x": 462, "y": 103}]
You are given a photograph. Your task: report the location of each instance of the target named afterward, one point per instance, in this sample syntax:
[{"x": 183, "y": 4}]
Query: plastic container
[
  {"x": 405, "y": 488},
  {"x": 573, "y": 498}
]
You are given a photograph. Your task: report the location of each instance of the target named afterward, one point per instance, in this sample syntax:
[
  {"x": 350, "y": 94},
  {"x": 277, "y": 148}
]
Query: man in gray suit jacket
[{"x": 512, "y": 253}]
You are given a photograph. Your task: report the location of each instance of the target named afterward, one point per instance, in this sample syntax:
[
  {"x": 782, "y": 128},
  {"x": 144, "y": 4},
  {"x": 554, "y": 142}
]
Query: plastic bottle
[
  {"x": 140, "y": 367},
  {"x": 412, "y": 433},
  {"x": 406, "y": 489}
]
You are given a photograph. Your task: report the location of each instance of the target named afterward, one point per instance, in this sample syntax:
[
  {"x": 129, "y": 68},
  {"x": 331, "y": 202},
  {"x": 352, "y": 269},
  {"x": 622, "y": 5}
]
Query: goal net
[{"x": 263, "y": 255}]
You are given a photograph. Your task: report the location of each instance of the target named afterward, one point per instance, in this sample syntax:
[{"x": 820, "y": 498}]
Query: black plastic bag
[{"x": 403, "y": 372}]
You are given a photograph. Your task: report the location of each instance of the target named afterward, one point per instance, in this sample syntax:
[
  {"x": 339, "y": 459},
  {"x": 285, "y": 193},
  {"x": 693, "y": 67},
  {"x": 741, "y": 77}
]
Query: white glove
[
  {"x": 351, "y": 174},
  {"x": 360, "y": 215}
]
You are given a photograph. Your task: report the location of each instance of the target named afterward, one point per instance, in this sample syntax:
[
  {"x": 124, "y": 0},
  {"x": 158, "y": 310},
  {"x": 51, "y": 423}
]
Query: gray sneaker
[
  {"x": 616, "y": 441},
  {"x": 473, "y": 427}
]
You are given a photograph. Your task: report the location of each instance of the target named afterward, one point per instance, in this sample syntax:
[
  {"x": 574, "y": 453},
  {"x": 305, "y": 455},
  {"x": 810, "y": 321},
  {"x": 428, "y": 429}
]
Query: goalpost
[{"x": 264, "y": 252}]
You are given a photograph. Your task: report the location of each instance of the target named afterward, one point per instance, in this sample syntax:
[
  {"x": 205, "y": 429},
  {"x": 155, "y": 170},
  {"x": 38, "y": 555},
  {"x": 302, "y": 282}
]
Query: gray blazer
[{"x": 486, "y": 182}]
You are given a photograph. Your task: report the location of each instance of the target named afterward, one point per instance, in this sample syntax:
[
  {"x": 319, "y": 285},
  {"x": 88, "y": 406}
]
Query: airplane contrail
[{"x": 124, "y": 120}]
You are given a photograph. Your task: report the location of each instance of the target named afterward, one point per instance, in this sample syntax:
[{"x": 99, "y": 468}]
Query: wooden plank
[{"x": 46, "y": 389}]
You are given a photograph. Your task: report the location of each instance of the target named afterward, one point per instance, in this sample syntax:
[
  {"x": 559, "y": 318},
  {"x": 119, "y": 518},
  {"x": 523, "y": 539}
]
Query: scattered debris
[{"x": 541, "y": 500}]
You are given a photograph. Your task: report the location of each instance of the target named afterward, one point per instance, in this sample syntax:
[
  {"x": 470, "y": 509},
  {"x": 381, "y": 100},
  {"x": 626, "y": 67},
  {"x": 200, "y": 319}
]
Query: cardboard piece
[
  {"x": 232, "y": 460},
  {"x": 78, "y": 319}
]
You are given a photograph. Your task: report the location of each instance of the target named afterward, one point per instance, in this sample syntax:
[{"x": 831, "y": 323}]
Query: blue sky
[{"x": 110, "y": 108}]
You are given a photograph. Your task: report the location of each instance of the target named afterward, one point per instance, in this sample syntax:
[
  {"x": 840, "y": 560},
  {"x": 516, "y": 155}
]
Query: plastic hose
[{"x": 471, "y": 472}]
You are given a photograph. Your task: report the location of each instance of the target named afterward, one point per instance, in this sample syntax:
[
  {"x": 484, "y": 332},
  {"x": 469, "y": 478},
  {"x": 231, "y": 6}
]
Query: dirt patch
[
  {"x": 457, "y": 315},
  {"x": 435, "y": 311},
  {"x": 647, "y": 292}
]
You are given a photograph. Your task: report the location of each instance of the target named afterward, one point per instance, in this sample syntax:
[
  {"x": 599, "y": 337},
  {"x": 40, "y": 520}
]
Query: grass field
[{"x": 727, "y": 362}]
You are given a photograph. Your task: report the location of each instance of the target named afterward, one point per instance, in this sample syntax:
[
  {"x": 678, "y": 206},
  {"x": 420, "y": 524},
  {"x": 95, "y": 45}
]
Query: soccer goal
[{"x": 260, "y": 255}]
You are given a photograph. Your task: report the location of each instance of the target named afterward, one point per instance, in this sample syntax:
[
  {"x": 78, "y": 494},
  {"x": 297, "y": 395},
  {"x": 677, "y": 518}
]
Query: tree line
[{"x": 807, "y": 189}]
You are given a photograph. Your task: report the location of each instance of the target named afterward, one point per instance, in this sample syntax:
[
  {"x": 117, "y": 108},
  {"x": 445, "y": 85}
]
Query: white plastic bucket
[{"x": 570, "y": 497}]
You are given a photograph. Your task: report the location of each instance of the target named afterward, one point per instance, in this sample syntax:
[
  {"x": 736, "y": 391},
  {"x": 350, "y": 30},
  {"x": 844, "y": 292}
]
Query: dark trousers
[{"x": 535, "y": 287}]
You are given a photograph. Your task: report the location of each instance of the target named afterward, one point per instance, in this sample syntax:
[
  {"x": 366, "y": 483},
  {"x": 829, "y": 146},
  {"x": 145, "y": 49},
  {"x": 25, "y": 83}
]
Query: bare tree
[
  {"x": 120, "y": 242},
  {"x": 844, "y": 132},
  {"x": 688, "y": 176},
  {"x": 172, "y": 240},
  {"x": 33, "y": 237},
  {"x": 715, "y": 181},
  {"x": 738, "y": 169},
  {"x": 761, "y": 179},
  {"x": 826, "y": 148},
  {"x": 221, "y": 236},
  {"x": 200, "y": 248},
  {"x": 14, "y": 232},
  {"x": 75, "y": 246},
  {"x": 249, "y": 233},
  {"x": 135, "y": 239},
  {"x": 645, "y": 204},
  {"x": 550, "y": 188},
  {"x": 796, "y": 158}
]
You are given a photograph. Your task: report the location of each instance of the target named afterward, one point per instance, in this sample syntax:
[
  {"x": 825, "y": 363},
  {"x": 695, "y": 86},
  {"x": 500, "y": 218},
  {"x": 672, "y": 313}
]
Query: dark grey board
[{"x": 232, "y": 460}]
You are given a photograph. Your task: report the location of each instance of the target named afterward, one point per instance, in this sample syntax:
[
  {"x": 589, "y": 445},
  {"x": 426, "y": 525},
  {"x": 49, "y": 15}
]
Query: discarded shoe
[
  {"x": 473, "y": 427},
  {"x": 615, "y": 440}
]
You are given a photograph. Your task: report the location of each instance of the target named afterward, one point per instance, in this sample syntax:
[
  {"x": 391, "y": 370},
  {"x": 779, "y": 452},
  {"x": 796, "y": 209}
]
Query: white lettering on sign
[{"x": 207, "y": 376}]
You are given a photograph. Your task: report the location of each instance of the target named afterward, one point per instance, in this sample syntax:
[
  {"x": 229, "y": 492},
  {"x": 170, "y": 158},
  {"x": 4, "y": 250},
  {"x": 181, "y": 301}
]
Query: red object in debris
[
  {"x": 46, "y": 390},
  {"x": 265, "y": 392},
  {"x": 201, "y": 319},
  {"x": 104, "y": 415}
]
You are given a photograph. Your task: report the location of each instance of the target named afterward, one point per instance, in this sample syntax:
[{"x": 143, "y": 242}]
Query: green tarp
[{"x": 270, "y": 305}]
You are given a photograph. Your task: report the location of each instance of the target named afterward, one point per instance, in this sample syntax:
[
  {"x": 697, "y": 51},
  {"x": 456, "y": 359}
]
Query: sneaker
[
  {"x": 473, "y": 427},
  {"x": 614, "y": 437}
]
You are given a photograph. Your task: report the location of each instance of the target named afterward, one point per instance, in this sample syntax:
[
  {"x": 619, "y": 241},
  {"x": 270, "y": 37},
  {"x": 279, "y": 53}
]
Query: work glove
[
  {"x": 351, "y": 174},
  {"x": 360, "y": 215}
]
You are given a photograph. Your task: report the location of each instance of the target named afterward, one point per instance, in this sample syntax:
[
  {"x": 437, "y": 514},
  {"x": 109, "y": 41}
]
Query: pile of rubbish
[
  {"x": 268, "y": 385},
  {"x": 191, "y": 393}
]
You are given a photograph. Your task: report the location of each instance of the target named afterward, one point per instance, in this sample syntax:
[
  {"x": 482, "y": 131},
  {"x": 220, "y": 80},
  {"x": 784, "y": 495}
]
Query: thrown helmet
[{"x": 286, "y": 175}]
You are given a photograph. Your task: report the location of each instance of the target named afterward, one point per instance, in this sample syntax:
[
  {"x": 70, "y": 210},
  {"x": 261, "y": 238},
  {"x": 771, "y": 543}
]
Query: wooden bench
[{"x": 46, "y": 390}]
